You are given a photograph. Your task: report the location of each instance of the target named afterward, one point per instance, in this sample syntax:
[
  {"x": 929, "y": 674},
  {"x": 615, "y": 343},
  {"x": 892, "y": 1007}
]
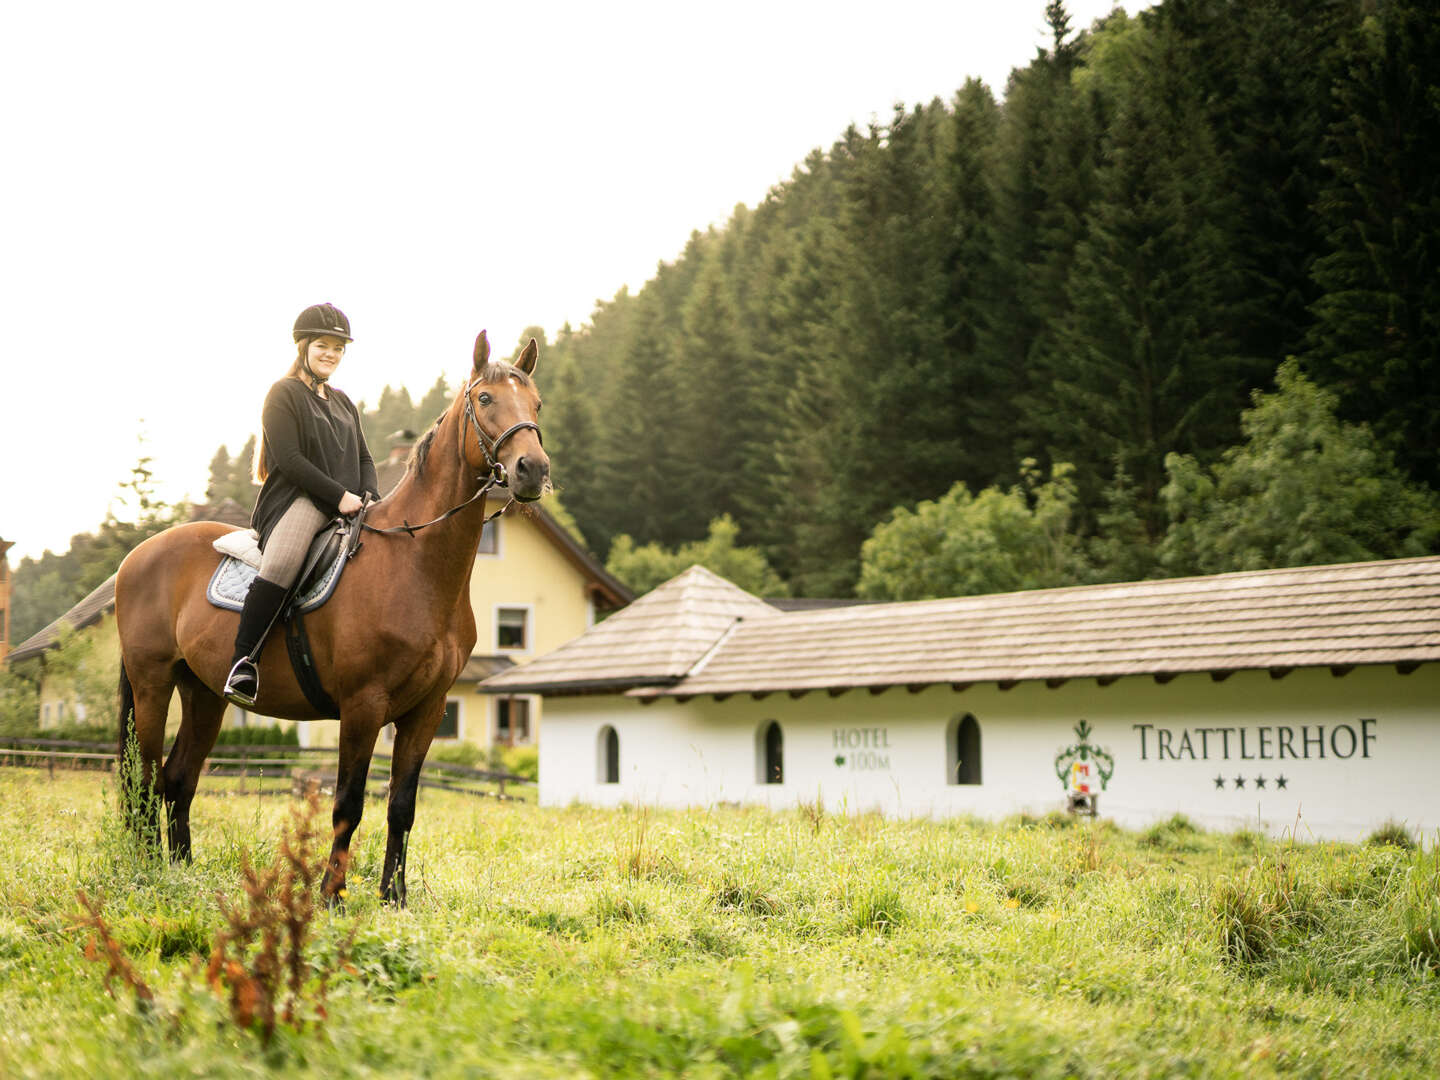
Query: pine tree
[{"x": 1377, "y": 335}]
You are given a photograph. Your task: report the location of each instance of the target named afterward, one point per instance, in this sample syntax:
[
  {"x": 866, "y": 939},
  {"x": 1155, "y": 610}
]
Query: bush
[
  {"x": 522, "y": 761},
  {"x": 1392, "y": 834},
  {"x": 273, "y": 735}
]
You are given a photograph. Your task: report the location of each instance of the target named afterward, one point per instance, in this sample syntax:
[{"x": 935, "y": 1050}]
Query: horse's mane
[{"x": 492, "y": 372}]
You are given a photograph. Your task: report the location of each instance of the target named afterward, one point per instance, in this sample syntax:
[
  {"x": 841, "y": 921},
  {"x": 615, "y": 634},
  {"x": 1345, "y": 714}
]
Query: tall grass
[{"x": 734, "y": 942}]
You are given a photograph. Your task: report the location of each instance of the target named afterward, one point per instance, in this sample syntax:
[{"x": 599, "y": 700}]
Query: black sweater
[{"x": 313, "y": 446}]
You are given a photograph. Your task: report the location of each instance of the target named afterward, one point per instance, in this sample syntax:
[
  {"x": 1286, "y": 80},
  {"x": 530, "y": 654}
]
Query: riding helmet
[{"x": 321, "y": 319}]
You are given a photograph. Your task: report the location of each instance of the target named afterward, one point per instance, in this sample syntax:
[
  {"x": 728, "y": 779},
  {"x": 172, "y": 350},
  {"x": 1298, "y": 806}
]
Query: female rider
[{"x": 314, "y": 464}]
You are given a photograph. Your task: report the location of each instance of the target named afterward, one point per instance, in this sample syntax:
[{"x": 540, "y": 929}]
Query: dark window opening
[
  {"x": 450, "y": 725},
  {"x": 512, "y": 721},
  {"x": 489, "y": 539},
  {"x": 964, "y": 756},
  {"x": 772, "y": 765},
  {"x": 510, "y": 628},
  {"x": 609, "y": 763}
]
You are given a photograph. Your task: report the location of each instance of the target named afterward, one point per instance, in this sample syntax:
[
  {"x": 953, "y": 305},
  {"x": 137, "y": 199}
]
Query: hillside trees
[
  {"x": 1376, "y": 337},
  {"x": 1099, "y": 269},
  {"x": 1303, "y": 488}
]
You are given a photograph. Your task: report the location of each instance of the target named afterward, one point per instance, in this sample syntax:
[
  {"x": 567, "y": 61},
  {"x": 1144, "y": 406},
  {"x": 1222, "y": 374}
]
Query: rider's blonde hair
[{"x": 258, "y": 469}]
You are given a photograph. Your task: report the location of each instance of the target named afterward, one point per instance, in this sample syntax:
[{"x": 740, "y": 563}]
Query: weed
[
  {"x": 103, "y": 947},
  {"x": 877, "y": 905},
  {"x": 636, "y": 857},
  {"x": 610, "y": 907},
  {"x": 813, "y": 813},
  {"x": 259, "y": 958},
  {"x": 1420, "y": 909},
  {"x": 1175, "y": 833},
  {"x": 1392, "y": 834},
  {"x": 735, "y": 893}
]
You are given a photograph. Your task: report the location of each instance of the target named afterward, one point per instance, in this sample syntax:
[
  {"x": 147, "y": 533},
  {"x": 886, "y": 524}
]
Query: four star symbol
[{"x": 1281, "y": 782}]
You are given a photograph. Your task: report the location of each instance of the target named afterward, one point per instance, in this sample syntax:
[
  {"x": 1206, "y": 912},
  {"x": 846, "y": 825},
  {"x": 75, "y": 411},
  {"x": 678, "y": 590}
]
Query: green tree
[
  {"x": 231, "y": 477},
  {"x": 963, "y": 544},
  {"x": 644, "y": 567},
  {"x": 19, "y": 703},
  {"x": 1144, "y": 360},
  {"x": 92, "y": 677},
  {"x": 1376, "y": 341},
  {"x": 1304, "y": 488}
]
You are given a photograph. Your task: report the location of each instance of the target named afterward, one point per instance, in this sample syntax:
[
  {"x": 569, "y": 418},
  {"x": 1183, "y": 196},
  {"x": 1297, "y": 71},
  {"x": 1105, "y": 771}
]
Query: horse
[{"x": 387, "y": 645}]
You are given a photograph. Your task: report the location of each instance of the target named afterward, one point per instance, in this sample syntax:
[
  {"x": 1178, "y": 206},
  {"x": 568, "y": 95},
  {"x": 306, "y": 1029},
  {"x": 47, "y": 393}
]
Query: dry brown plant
[
  {"x": 259, "y": 959},
  {"x": 103, "y": 948}
]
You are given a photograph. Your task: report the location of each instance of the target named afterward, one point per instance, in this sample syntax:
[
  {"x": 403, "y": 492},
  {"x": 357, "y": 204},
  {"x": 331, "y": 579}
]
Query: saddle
[{"x": 332, "y": 548}]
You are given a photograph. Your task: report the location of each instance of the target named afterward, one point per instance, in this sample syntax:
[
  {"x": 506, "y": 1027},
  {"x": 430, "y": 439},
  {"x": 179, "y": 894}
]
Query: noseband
[{"x": 494, "y": 476}]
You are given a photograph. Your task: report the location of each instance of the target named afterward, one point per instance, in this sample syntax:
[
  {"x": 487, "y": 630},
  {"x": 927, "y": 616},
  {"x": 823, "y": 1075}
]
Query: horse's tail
[{"x": 127, "y": 716}]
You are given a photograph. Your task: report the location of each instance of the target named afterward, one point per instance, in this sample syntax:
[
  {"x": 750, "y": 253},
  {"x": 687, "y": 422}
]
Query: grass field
[{"x": 731, "y": 942}]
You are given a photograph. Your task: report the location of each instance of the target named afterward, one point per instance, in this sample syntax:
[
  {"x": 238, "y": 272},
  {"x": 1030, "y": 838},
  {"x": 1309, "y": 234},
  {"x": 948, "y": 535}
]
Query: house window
[
  {"x": 512, "y": 720},
  {"x": 450, "y": 724},
  {"x": 60, "y": 711},
  {"x": 770, "y": 753},
  {"x": 489, "y": 539},
  {"x": 607, "y": 756},
  {"x": 962, "y": 751},
  {"x": 512, "y": 630}
]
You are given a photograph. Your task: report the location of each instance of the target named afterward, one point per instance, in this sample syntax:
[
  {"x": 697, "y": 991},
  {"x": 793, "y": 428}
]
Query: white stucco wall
[{"x": 1171, "y": 744}]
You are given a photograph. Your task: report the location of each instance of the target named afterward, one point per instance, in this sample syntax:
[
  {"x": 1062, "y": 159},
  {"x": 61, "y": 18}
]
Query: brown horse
[{"x": 387, "y": 645}]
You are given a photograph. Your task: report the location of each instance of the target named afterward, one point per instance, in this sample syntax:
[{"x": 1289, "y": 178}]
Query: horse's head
[{"x": 502, "y": 409}]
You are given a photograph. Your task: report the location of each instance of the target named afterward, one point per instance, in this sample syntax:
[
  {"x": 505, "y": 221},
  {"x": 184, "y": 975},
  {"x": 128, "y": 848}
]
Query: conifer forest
[{"x": 1166, "y": 303}]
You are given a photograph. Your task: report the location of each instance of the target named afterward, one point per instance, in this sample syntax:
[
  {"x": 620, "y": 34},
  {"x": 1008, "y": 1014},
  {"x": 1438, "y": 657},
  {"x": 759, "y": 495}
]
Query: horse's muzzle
[{"x": 529, "y": 475}]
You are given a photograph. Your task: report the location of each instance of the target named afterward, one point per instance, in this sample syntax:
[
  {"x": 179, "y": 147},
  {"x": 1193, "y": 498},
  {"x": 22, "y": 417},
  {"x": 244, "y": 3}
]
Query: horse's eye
[{"x": 485, "y": 399}]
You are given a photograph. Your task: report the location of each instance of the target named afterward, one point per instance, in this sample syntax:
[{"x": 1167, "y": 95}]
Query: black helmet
[{"x": 322, "y": 319}]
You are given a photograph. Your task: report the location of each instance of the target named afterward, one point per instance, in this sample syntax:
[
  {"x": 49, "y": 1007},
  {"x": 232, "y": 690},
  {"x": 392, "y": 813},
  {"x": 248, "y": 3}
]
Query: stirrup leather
[{"x": 242, "y": 673}]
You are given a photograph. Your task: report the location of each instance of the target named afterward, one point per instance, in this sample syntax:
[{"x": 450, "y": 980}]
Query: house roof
[
  {"x": 1317, "y": 616},
  {"x": 88, "y": 611},
  {"x": 655, "y": 641}
]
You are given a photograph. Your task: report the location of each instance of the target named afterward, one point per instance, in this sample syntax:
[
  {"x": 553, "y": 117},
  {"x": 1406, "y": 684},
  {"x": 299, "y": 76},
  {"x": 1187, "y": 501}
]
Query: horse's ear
[
  {"x": 482, "y": 351},
  {"x": 529, "y": 357}
]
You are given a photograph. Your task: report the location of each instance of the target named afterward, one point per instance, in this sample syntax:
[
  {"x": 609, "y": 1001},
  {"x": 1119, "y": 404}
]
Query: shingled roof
[
  {"x": 1277, "y": 620},
  {"x": 655, "y": 641},
  {"x": 99, "y": 602}
]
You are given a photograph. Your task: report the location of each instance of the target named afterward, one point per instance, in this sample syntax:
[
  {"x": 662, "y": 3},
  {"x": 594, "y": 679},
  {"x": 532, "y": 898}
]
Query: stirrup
[{"x": 242, "y": 673}]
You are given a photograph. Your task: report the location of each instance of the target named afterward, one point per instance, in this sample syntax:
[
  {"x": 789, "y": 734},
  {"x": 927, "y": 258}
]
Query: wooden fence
[{"x": 303, "y": 768}]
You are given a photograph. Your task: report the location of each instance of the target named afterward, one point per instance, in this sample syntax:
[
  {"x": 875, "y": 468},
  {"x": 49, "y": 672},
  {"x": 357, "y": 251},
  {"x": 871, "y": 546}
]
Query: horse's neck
[{"x": 445, "y": 552}]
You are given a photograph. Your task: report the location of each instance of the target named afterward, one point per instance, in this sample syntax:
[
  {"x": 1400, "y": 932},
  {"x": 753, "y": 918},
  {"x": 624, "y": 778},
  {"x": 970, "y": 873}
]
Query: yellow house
[{"x": 5, "y": 545}]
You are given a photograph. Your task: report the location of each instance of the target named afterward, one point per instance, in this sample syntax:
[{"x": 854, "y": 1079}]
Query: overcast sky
[{"x": 182, "y": 179}]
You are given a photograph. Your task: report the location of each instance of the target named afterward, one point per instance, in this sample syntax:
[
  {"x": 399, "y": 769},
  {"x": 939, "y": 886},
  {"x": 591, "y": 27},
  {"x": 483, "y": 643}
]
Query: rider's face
[{"x": 324, "y": 355}]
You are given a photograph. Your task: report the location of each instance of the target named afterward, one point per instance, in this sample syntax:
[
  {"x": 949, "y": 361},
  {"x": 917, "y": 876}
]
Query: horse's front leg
[
  {"x": 413, "y": 734},
  {"x": 359, "y": 727}
]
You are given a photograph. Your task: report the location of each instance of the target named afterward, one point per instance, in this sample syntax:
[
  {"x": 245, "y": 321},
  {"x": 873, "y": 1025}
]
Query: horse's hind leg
[
  {"x": 148, "y": 700},
  {"x": 201, "y": 713}
]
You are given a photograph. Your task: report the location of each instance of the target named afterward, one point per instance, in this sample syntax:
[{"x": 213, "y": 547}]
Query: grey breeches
[{"x": 284, "y": 551}]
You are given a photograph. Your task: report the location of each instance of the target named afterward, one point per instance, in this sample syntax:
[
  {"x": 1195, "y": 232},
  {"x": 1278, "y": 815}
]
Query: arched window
[
  {"x": 962, "y": 750},
  {"x": 607, "y": 756},
  {"x": 769, "y": 753}
]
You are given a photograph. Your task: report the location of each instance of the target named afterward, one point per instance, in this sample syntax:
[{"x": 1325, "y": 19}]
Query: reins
[{"x": 495, "y": 478}]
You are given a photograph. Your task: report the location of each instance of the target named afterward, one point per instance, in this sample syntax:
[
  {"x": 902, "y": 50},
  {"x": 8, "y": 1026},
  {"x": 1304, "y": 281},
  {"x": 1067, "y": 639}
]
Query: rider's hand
[{"x": 350, "y": 504}]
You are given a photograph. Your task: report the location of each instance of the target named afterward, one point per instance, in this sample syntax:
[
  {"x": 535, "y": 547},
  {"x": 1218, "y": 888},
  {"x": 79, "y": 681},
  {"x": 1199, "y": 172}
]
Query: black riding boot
[{"x": 262, "y": 605}]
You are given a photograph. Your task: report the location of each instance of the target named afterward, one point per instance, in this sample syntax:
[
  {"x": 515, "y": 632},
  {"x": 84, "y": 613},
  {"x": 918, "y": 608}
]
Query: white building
[{"x": 1304, "y": 699}]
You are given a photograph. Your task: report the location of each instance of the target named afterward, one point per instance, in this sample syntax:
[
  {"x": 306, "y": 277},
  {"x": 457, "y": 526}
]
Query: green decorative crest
[{"x": 1101, "y": 761}]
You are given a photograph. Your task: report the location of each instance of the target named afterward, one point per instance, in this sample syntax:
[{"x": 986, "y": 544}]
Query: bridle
[{"x": 493, "y": 477}]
